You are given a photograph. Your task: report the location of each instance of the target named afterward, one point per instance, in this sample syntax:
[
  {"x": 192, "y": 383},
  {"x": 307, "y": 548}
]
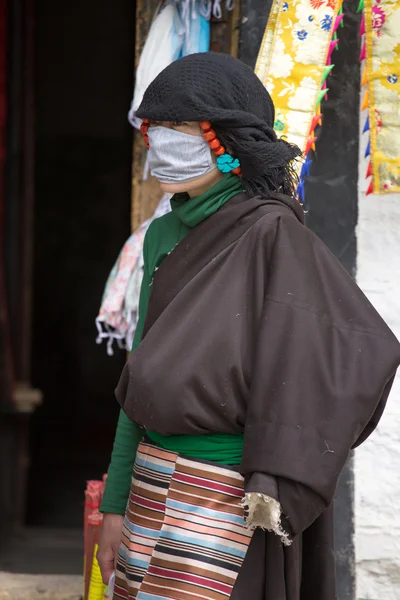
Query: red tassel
[
  {"x": 316, "y": 120},
  {"x": 362, "y": 26},
  {"x": 310, "y": 142},
  {"x": 363, "y": 54},
  {"x": 332, "y": 46},
  {"x": 338, "y": 20},
  {"x": 369, "y": 170},
  {"x": 370, "y": 189}
]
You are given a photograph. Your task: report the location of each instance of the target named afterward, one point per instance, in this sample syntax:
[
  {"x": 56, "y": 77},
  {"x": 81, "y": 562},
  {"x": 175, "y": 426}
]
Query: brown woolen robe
[{"x": 253, "y": 326}]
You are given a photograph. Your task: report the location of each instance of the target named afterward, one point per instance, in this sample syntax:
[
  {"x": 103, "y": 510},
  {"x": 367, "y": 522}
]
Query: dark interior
[{"x": 84, "y": 83}]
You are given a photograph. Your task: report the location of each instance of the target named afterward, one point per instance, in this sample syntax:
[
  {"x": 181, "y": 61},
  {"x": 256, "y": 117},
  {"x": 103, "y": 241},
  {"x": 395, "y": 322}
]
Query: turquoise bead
[{"x": 226, "y": 163}]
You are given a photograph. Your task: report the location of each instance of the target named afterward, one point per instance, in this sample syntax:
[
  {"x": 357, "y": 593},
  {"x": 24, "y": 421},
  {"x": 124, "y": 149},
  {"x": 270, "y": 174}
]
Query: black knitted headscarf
[{"x": 223, "y": 90}]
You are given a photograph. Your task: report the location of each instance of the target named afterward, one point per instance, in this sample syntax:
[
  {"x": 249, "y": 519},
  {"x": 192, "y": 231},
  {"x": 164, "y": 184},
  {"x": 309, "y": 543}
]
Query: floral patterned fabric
[
  {"x": 292, "y": 62},
  {"x": 382, "y": 30}
]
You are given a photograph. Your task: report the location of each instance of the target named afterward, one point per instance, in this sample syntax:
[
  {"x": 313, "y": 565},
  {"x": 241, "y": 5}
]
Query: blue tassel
[
  {"x": 305, "y": 170},
  {"x": 366, "y": 126},
  {"x": 368, "y": 150},
  {"x": 300, "y": 191}
]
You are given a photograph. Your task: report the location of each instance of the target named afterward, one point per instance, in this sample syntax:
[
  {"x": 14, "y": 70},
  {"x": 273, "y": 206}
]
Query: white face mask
[{"x": 176, "y": 157}]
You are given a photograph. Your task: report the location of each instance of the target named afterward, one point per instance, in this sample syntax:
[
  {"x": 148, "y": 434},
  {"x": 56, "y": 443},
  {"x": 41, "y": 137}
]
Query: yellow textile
[
  {"x": 97, "y": 587},
  {"x": 264, "y": 53},
  {"x": 382, "y": 22},
  {"x": 292, "y": 60}
]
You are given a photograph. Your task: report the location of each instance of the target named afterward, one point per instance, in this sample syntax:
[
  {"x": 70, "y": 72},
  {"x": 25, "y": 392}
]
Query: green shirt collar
[{"x": 192, "y": 211}]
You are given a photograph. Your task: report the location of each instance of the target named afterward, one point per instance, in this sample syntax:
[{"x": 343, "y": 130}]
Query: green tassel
[
  {"x": 360, "y": 6},
  {"x": 326, "y": 72},
  {"x": 321, "y": 94},
  {"x": 335, "y": 37},
  {"x": 340, "y": 12}
]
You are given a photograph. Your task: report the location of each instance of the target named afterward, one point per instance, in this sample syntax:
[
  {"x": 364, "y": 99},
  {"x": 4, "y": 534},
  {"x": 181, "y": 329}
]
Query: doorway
[{"x": 84, "y": 82}]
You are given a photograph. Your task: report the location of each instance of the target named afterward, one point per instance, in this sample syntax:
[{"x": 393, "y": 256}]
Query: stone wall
[{"x": 377, "y": 462}]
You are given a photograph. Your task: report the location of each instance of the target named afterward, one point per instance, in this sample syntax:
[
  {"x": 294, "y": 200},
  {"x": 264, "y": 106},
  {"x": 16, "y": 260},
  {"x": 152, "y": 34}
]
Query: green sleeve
[
  {"x": 128, "y": 434},
  {"x": 126, "y": 441}
]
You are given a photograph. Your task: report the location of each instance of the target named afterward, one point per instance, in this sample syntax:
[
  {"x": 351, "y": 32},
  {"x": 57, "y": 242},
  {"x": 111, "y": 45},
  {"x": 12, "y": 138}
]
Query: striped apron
[{"x": 184, "y": 535}]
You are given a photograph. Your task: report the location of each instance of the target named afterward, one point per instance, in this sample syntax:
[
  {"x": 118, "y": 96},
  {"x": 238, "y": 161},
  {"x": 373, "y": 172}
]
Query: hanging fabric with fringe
[
  {"x": 294, "y": 63},
  {"x": 380, "y": 55},
  {"x": 211, "y": 8},
  {"x": 119, "y": 311}
]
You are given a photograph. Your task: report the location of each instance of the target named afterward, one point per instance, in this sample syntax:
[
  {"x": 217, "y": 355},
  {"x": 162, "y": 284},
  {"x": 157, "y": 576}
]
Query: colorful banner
[
  {"x": 294, "y": 62},
  {"x": 264, "y": 55},
  {"x": 382, "y": 96}
]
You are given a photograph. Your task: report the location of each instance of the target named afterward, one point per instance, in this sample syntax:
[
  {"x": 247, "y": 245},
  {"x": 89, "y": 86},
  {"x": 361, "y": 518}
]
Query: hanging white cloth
[
  {"x": 178, "y": 29},
  {"x": 163, "y": 45}
]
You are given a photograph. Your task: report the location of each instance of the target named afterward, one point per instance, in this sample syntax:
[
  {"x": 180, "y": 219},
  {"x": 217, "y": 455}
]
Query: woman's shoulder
[
  {"x": 274, "y": 214},
  {"x": 278, "y": 226}
]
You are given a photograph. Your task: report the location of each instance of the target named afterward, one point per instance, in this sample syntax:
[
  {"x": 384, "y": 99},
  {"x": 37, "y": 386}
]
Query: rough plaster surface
[
  {"x": 42, "y": 564},
  {"x": 377, "y": 462}
]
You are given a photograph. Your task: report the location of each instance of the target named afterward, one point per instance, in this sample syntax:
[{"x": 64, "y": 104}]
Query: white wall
[{"x": 377, "y": 463}]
